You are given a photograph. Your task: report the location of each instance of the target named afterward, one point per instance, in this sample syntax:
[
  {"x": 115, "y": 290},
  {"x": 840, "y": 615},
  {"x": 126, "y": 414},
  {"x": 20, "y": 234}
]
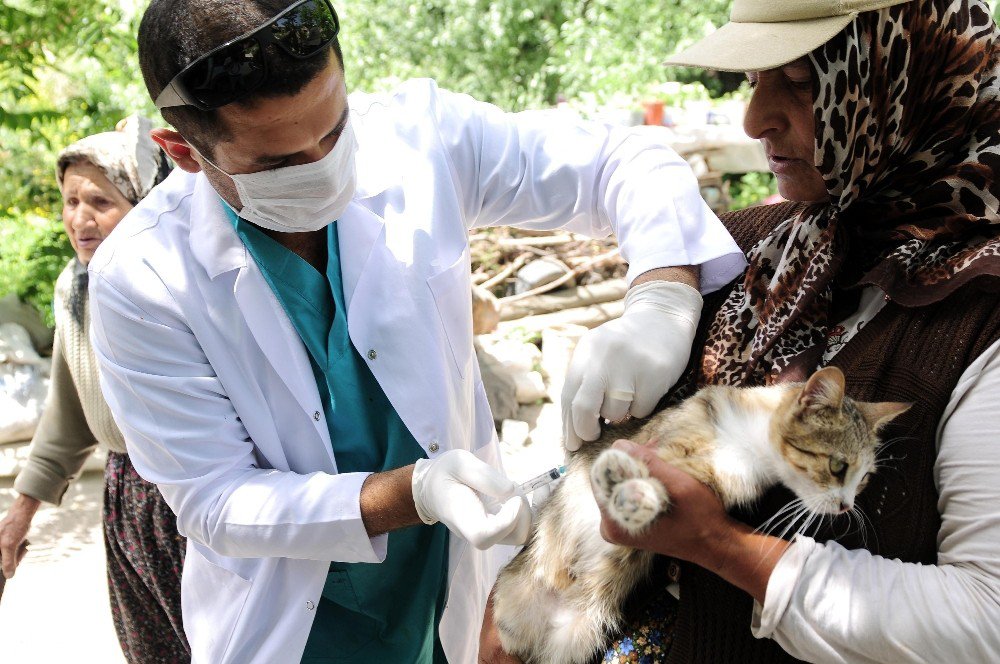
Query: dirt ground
[{"x": 55, "y": 609}]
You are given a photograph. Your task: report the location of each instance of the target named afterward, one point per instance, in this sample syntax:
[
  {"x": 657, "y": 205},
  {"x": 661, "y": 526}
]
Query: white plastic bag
[{"x": 24, "y": 384}]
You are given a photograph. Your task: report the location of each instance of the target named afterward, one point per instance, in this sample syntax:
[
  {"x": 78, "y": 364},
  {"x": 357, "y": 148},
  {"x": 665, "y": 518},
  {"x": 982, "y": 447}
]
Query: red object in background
[
  {"x": 654, "y": 113},
  {"x": 772, "y": 199}
]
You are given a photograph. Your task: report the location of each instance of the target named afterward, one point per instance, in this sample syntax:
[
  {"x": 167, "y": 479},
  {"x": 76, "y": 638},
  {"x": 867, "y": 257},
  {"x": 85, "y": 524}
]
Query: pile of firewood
[{"x": 565, "y": 277}]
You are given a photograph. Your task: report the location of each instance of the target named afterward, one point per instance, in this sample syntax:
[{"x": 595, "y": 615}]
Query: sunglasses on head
[{"x": 235, "y": 69}]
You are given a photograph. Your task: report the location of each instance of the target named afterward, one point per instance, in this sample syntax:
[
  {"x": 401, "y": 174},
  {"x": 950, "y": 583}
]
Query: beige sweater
[{"x": 76, "y": 418}]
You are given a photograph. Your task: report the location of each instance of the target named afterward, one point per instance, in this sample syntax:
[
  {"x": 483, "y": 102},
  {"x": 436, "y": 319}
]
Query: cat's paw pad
[
  {"x": 611, "y": 468},
  {"x": 635, "y": 503}
]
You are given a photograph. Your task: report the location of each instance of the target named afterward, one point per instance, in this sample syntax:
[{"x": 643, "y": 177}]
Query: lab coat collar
[
  {"x": 377, "y": 171},
  {"x": 214, "y": 242},
  {"x": 358, "y": 229}
]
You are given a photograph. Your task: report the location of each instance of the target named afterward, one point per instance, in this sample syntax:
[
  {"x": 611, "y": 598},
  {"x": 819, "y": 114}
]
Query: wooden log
[
  {"x": 546, "y": 241},
  {"x": 590, "y": 316},
  {"x": 507, "y": 271},
  {"x": 570, "y": 298},
  {"x": 572, "y": 274}
]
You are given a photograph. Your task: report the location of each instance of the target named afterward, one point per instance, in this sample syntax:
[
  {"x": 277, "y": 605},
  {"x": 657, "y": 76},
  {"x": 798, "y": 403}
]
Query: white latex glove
[
  {"x": 448, "y": 488},
  {"x": 626, "y": 365}
]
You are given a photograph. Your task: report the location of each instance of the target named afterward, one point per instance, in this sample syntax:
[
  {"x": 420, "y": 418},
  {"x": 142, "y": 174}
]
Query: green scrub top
[{"x": 387, "y": 612}]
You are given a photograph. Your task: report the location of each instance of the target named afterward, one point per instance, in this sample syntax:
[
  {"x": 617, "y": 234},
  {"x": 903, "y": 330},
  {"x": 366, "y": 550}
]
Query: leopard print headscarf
[{"x": 907, "y": 110}]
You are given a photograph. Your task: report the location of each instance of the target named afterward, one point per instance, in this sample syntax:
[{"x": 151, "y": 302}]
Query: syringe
[
  {"x": 535, "y": 483},
  {"x": 548, "y": 477}
]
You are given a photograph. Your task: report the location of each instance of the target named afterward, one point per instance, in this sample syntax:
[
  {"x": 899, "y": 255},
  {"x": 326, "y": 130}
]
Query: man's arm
[
  {"x": 185, "y": 436},
  {"x": 689, "y": 275},
  {"x": 387, "y": 501},
  {"x": 547, "y": 170}
]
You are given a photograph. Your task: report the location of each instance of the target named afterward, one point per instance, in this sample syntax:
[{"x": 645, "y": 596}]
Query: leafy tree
[{"x": 522, "y": 53}]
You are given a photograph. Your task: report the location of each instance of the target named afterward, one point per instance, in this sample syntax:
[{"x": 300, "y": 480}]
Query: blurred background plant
[
  {"x": 68, "y": 69},
  {"x": 749, "y": 189}
]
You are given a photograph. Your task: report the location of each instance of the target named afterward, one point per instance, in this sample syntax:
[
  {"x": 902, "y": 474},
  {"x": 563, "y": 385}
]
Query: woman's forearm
[{"x": 744, "y": 558}]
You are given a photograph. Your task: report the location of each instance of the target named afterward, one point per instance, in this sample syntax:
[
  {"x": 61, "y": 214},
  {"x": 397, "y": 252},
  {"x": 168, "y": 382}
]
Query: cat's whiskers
[
  {"x": 776, "y": 519},
  {"x": 886, "y": 444},
  {"x": 882, "y": 465},
  {"x": 800, "y": 513},
  {"x": 862, "y": 520},
  {"x": 857, "y": 514},
  {"x": 882, "y": 451},
  {"x": 812, "y": 507},
  {"x": 793, "y": 513}
]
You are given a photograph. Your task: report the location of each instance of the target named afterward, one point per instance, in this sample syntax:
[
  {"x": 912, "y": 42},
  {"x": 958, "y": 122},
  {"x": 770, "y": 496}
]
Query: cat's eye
[{"x": 838, "y": 466}]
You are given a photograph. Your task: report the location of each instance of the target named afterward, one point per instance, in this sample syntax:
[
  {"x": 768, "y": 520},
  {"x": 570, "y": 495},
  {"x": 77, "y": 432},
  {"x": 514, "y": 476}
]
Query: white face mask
[{"x": 303, "y": 198}]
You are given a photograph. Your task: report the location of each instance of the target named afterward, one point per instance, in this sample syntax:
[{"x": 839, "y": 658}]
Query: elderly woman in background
[{"x": 101, "y": 178}]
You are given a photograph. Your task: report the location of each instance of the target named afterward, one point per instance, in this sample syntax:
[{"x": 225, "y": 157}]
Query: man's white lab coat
[{"x": 213, "y": 389}]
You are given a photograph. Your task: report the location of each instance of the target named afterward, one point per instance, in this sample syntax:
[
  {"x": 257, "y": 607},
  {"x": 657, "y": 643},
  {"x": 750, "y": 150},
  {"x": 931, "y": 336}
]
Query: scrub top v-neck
[{"x": 387, "y": 612}]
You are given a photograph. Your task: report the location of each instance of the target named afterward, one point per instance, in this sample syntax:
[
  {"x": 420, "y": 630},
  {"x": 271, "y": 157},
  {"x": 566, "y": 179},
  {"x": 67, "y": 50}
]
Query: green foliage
[
  {"x": 750, "y": 189},
  {"x": 521, "y": 53},
  {"x": 34, "y": 253}
]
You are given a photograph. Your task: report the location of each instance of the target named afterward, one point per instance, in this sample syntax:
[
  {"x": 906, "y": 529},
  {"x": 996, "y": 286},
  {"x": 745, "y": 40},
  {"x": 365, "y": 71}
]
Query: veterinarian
[
  {"x": 881, "y": 122},
  {"x": 284, "y": 328}
]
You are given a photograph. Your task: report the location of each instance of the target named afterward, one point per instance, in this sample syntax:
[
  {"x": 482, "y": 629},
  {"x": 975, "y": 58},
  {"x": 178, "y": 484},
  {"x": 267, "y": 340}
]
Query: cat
[{"x": 559, "y": 600}]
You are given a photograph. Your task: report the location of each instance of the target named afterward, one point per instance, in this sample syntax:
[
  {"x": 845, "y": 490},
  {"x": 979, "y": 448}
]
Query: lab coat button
[
  {"x": 372, "y": 354},
  {"x": 316, "y": 416},
  {"x": 434, "y": 447},
  {"x": 310, "y": 606}
]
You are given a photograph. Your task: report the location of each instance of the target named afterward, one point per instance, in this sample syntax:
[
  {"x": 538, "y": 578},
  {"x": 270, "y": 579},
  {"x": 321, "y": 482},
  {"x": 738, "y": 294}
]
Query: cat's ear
[
  {"x": 824, "y": 389},
  {"x": 881, "y": 413}
]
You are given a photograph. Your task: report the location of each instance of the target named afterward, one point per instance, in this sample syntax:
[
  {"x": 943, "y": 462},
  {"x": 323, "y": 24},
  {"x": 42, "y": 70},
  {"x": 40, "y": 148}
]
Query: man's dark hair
[{"x": 174, "y": 33}]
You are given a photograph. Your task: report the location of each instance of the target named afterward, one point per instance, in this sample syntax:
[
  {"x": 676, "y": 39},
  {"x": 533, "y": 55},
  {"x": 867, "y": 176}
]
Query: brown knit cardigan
[{"x": 914, "y": 355}]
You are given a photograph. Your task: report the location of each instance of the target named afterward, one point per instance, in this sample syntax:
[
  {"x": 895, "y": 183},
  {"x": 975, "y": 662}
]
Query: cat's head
[{"x": 828, "y": 441}]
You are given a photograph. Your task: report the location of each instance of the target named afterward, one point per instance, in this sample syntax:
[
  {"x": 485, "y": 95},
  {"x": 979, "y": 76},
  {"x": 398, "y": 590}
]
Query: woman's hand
[
  {"x": 490, "y": 650},
  {"x": 696, "y": 519},
  {"x": 698, "y": 529},
  {"x": 13, "y": 530}
]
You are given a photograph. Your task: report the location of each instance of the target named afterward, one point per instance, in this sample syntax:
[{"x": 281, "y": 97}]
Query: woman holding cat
[{"x": 881, "y": 121}]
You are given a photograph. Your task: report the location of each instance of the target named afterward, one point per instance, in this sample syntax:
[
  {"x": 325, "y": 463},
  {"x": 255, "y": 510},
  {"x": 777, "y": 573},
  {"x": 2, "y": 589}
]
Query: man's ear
[{"x": 176, "y": 148}]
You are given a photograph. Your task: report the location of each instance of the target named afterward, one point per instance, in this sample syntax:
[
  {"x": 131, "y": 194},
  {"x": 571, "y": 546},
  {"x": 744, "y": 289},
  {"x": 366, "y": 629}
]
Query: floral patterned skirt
[
  {"x": 145, "y": 557},
  {"x": 650, "y": 617},
  {"x": 647, "y": 636}
]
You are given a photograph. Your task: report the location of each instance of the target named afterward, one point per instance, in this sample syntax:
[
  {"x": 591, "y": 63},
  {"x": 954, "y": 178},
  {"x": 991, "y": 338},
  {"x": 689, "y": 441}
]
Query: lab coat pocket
[
  {"x": 452, "y": 291},
  {"x": 213, "y": 600}
]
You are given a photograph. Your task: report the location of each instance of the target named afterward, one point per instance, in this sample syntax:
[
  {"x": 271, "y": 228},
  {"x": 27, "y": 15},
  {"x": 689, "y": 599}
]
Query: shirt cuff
[
  {"x": 380, "y": 546},
  {"x": 716, "y": 271},
  {"x": 39, "y": 483},
  {"x": 780, "y": 587}
]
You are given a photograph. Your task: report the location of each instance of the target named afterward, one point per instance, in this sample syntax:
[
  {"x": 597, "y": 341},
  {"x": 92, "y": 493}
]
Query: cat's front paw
[
  {"x": 612, "y": 468},
  {"x": 635, "y": 503}
]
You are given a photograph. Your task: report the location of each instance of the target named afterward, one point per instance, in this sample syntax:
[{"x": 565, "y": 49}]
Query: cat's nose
[{"x": 844, "y": 507}]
